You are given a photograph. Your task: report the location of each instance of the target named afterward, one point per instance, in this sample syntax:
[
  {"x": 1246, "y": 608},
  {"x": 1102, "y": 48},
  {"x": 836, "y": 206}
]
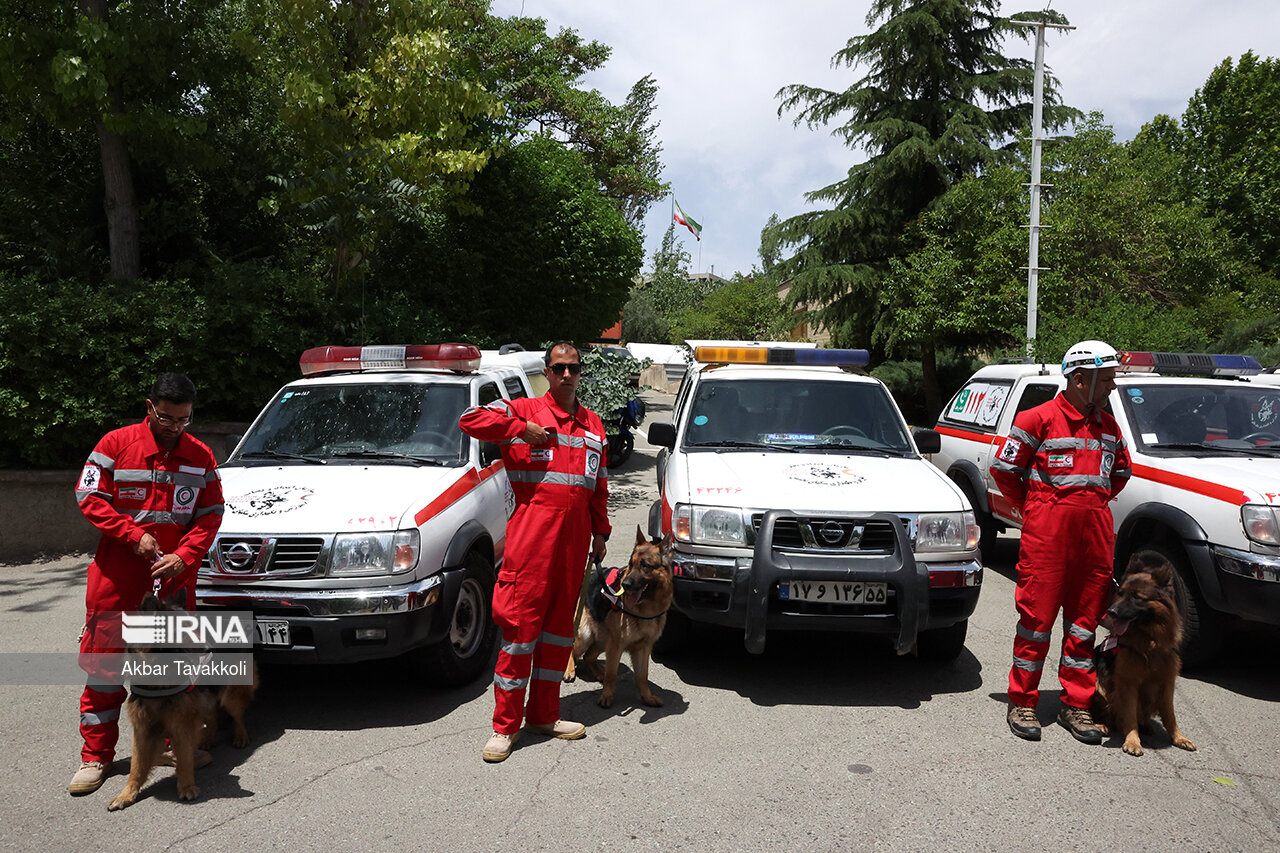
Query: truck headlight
[
  {"x": 1260, "y": 524},
  {"x": 374, "y": 553},
  {"x": 946, "y": 531},
  {"x": 709, "y": 525}
]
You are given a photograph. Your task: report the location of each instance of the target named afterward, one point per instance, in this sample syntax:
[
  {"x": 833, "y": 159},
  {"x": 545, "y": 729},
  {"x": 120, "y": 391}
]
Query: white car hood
[
  {"x": 328, "y": 498},
  {"x": 1256, "y": 476},
  {"x": 812, "y": 482}
]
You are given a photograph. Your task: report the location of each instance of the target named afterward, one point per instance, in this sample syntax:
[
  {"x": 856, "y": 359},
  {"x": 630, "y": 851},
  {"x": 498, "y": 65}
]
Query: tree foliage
[
  {"x": 936, "y": 103},
  {"x": 1231, "y": 143}
]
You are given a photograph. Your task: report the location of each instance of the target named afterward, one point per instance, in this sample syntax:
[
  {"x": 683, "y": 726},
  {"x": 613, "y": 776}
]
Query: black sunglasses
[{"x": 573, "y": 367}]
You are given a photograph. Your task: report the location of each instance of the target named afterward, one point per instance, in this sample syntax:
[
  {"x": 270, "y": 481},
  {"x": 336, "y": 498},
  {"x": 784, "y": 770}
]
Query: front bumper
[
  {"x": 323, "y": 623},
  {"x": 1250, "y": 584},
  {"x": 743, "y": 592}
]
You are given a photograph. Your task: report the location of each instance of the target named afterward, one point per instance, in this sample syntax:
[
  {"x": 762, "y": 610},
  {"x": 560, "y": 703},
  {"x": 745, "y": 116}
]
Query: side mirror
[
  {"x": 489, "y": 453},
  {"x": 663, "y": 435},
  {"x": 927, "y": 440}
]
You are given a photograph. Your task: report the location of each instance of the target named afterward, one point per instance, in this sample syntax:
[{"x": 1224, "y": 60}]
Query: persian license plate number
[
  {"x": 272, "y": 632},
  {"x": 834, "y": 592}
]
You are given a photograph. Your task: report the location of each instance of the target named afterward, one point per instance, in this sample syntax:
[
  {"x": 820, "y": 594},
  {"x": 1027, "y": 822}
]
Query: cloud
[{"x": 732, "y": 161}]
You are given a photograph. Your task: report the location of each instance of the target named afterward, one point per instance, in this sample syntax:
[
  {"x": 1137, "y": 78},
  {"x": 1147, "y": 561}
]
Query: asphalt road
[{"x": 823, "y": 742}]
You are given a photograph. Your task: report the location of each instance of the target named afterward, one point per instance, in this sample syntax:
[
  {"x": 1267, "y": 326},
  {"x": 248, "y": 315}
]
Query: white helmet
[{"x": 1089, "y": 355}]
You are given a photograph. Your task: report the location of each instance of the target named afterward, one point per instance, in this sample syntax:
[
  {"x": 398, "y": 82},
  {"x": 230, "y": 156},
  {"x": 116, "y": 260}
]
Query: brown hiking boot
[
  {"x": 1023, "y": 722},
  {"x": 499, "y": 746},
  {"x": 563, "y": 729},
  {"x": 88, "y": 778},
  {"x": 1080, "y": 723}
]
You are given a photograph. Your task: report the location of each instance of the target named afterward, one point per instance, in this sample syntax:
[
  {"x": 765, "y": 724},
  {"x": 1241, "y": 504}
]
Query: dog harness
[{"x": 611, "y": 593}]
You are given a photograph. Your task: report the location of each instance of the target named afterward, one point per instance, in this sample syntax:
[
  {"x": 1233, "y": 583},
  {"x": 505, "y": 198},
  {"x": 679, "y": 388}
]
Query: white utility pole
[{"x": 1037, "y": 109}]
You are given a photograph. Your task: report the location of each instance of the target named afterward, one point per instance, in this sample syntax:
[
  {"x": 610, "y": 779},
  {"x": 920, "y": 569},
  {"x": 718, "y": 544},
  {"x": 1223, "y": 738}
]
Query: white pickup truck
[
  {"x": 1205, "y": 444},
  {"x": 360, "y": 522}
]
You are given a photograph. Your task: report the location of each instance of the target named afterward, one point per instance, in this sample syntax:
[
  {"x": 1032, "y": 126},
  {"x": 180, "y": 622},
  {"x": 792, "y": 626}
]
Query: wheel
[
  {"x": 942, "y": 644},
  {"x": 465, "y": 652},
  {"x": 1201, "y": 627},
  {"x": 620, "y": 447}
]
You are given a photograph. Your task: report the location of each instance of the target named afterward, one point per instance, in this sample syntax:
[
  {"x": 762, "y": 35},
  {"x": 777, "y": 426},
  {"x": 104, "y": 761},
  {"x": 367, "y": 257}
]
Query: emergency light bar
[
  {"x": 460, "y": 357},
  {"x": 782, "y": 355},
  {"x": 1188, "y": 363}
]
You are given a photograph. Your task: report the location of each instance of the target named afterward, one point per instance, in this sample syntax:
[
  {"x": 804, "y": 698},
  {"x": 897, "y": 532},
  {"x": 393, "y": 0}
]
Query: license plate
[
  {"x": 834, "y": 592},
  {"x": 272, "y": 632}
]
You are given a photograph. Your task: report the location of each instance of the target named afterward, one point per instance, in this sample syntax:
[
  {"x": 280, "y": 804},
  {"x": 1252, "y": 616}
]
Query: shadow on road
[{"x": 44, "y": 589}]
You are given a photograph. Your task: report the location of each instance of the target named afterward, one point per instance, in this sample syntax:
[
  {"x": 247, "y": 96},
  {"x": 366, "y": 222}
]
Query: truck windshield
[
  {"x": 786, "y": 414},
  {"x": 397, "y": 422},
  {"x": 1198, "y": 417}
]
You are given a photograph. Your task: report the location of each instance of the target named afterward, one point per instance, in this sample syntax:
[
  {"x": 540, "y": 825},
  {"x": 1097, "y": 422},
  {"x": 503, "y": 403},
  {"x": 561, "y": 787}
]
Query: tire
[
  {"x": 620, "y": 447},
  {"x": 466, "y": 652},
  {"x": 1201, "y": 627},
  {"x": 942, "y": 645}
]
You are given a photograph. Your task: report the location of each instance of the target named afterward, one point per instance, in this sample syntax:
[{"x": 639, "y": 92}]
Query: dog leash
[{"x": 582, "y": 592}]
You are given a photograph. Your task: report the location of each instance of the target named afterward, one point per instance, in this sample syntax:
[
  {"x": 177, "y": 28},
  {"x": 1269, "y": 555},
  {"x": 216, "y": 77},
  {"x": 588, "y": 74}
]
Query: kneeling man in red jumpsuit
[
  {"x": 553, "y": 448},
  {"x": 1061, "y": 465}
]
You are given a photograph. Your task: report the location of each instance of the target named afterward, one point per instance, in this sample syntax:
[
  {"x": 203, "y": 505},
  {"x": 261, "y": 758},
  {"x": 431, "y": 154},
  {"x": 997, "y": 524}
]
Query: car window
[
  {"x": 488, "y": 393},
  {"x": 978, "y": 404},
  {"x": 785, "y": 412},
  {"x": 515, "y": 388},
  {"x": 340, "y": 421},
  {"x": 1036, "y": 394},
  {"x": 1227, "y": 417}
]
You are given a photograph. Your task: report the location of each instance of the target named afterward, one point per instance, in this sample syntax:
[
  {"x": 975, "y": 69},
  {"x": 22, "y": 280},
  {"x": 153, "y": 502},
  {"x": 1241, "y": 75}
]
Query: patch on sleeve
[
  {"x": 90, "y": 478},
  {"x": 1108, "y": 462},
  {"x": 1009, "y": 452}
]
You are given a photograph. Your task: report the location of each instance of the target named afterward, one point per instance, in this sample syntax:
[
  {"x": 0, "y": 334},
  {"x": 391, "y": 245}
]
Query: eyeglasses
[
  {"x": 165, "y": 420},
  {"x": 574, "y": 368}
]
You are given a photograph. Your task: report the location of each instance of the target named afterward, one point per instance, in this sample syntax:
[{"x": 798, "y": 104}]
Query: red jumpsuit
[
  {"x": 562, "y": 496},
  {"x": 1061, "y": 469},
  {"x": 131, "y": 486}
]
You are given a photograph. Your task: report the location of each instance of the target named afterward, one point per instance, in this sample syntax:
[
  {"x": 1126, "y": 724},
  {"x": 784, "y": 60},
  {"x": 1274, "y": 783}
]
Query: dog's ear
[
  {"x": 667, "y": 542},
  {"x": 641, "y": 539},
  {"x": 149, "y": 603},
  {"x": 1162, "y": 573}
]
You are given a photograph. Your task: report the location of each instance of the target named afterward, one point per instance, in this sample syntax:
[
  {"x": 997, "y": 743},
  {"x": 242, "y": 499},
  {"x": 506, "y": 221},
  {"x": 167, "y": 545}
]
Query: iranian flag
[{"x": 687, "y": 221}]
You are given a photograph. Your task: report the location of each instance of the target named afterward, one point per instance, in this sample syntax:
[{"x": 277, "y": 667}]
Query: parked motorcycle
[{"x": 621, "y": 440}]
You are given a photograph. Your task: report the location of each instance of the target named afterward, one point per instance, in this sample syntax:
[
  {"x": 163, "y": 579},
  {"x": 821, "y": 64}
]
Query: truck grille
[
  {"x": 829, "y": 535},
  {"x": 265, "y": 555}
]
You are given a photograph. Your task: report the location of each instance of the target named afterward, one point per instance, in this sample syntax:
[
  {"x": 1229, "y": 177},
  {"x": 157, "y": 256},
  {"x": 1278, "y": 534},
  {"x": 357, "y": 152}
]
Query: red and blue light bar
[
  {"x": 783, "y": 356},
  {"x": 1188, "y": 363},
  {"x": 463, "y": 358}
]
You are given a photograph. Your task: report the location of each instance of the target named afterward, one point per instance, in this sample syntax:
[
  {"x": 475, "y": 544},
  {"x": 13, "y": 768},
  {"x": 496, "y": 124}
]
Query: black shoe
[
  {"x": 1023, "y": 722},
  {"x": 1080, "y": 723}
]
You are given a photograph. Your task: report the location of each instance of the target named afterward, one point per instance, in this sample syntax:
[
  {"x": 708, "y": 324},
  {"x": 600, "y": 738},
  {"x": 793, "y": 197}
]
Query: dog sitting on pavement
[
  {"x": 1139, "y": 663},
  {"x": 625, "y": 610},
  {"x": 186, "y": 714}
]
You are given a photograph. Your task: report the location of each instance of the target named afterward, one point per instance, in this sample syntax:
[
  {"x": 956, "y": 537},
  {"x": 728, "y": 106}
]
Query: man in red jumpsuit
[
  {"x": 154, "y": 493},
  {"x": 553, "y": 448},
  {"x": 1061, "y": 464}
]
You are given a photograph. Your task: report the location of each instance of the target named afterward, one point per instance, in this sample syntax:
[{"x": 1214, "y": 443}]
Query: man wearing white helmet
[{"x": 1060, "y": 466}]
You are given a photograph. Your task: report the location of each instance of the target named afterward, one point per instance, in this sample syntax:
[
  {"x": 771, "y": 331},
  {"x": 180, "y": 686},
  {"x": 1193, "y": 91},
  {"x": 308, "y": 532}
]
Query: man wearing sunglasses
[
  {"x": 153, "y": 491},
  {"x": 553, "y": 448}
]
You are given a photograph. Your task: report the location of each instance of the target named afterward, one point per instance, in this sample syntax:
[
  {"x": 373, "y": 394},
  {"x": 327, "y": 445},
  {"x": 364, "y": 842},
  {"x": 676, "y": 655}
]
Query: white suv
[
  {"x": 798, "y": 500},
  {"x": 360, "y": 522},
  {"x": 1205, "y": 444}
]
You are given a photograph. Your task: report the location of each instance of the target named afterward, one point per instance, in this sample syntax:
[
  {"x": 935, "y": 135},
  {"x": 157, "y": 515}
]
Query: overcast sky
[{"x": 732, "y": 161}]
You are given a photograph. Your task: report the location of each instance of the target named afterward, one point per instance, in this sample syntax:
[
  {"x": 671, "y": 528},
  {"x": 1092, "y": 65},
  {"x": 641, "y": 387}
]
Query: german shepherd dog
[
  {"x": 187, "y": 716},
  {"x": 1139, "y": 663},
  {"x": 626, "y": 610}
]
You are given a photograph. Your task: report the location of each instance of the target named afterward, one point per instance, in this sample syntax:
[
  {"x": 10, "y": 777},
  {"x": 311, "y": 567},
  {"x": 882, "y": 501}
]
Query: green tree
[
  {"x": 1231, "y": 142},
  {"x": 937, "y": 102},
  {"x": 745, "y": 308}
]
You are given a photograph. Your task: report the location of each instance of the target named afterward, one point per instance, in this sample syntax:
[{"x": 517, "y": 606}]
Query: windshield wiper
[
  {"x": 749, "y": 444},
  {"x": 279, "y": 454},
  {"x": 387, "y": 454},
  {"x": 850, "y": 448}
]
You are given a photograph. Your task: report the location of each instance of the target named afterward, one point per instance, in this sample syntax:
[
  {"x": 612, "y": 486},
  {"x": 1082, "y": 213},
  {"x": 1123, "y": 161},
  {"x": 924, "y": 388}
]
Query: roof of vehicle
[
  {"x": 783, "y": 371},
  {"x": 446, "y": 377}
]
